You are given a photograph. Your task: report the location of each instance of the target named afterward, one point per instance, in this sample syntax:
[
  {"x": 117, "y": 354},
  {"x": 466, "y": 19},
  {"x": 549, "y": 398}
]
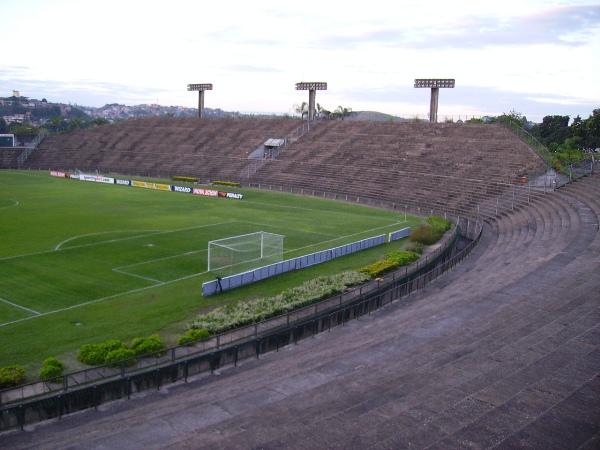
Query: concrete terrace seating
[
  {"x": 208, "y": 148},
  {"x": 502, "y": 352},
  {"x": 9, "y": 156},
  {"x": 432, "y": 165}
]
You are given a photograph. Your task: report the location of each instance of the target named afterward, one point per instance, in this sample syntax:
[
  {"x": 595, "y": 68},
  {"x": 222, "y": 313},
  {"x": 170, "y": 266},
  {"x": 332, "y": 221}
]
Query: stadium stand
[
  {"x": 9, "y": 156},
  {"x": 440, "y": 166},
  {"x": 207, "y": 149},
  {"x": 502, "y": 352}
]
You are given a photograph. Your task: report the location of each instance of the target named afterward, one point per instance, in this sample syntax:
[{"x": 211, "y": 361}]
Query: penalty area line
[
  {"x": 91, "y": 302},
  {"x": 19, "y": 306}
]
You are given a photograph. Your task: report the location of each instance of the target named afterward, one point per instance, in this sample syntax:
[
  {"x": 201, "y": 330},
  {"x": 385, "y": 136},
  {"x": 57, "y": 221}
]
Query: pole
[{"x": 433, "y": 104}]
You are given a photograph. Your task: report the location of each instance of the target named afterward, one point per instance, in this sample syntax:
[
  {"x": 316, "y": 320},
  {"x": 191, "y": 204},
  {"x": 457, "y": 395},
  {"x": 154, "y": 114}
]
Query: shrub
[
  {"x": 402, "y": 258},
  {"x": 379, "y": 268},
  {"x": 144, "y": 346},
  {"x": 193, "y": 335},
  {"x": 227, "y": 183},
  {"x": 116, "y": 356},
  {"x": 245, "y": 313},
  {"x": 52, "y": 368},
  {"x": 187, "y": 179},
  {"x": 439, "y": 222},
  {"x": 95, "y": 354},
  {"x": 11, "y": 376},
  {"x": 415, "y": 247},
  {"x": 426, "y": 235}
]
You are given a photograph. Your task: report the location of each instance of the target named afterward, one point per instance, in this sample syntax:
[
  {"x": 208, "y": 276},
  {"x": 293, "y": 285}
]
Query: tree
[
  {"x": 553, "y": 129},
  {"x": 99, "y": 121},
  {"x": 513, "y": 117},
  {"x": 323, "y": 113},
  {"x": 56, "y": 121},
  {"x": 76, "y": 124},
  {"x": 301, "y": 109},
  {"x": 24, "y": 129},
  {"x": 588, "y": 130},
  {"x": 343, "y": 112},
  {"x": 569, "y": 152}
]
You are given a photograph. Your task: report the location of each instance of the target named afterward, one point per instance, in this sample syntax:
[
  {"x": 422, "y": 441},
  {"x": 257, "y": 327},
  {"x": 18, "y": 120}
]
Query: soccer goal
[{"x": 239, "y": 253}]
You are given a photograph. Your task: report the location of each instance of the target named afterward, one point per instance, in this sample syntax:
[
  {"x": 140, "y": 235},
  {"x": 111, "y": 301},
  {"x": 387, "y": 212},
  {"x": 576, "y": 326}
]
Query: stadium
[{"x": 495, "y": 347}]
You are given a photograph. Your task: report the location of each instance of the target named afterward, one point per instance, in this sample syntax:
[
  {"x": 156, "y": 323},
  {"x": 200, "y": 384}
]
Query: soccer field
[{"x": 84, "y": 262}]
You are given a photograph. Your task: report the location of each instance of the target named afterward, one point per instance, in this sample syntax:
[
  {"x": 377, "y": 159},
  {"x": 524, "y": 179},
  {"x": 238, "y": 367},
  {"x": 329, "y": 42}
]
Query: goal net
[{"x": 240, "y": 253}]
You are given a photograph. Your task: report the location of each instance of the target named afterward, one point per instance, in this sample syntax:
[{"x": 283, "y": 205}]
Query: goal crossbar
[{"x": 245, "y": 248}]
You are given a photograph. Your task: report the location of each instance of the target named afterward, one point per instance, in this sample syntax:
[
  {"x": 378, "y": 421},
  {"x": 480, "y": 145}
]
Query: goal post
[{"x": 239, "y": 253}]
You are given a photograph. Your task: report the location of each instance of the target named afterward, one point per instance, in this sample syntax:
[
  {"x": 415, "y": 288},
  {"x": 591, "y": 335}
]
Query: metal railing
[
  {"x": 256, "y": 163},
  {"x": 526, "y": 137},
  {"x": 32, "y": 145}
]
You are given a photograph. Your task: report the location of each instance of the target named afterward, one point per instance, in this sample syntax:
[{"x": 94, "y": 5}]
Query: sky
[{"x": 533, "y": 57}]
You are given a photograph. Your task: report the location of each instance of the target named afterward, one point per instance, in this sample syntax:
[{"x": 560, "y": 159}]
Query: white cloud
[{"x": 92, "y": 52}]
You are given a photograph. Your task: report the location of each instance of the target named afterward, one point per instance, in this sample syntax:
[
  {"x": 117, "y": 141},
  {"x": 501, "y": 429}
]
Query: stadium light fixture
[
  {"x": 311, "y": 87},
  {"x": 200, "y": 87},
  {"x": 435, "y": 84}
]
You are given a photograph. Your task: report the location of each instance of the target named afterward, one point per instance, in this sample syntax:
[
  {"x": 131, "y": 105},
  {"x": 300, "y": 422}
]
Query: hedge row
[
  {"x": 227, "y": 183},
  {"x": 391, "y": 262},
  {"x": 236, "y": 315},
  {"x": 113, "y": 351},
  {"x": 192, "y": 335},
  {"x": 187, "y": 179}
]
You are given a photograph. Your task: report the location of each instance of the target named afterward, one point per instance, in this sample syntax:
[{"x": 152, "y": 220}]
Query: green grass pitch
[{"x": 84, "y": 262}]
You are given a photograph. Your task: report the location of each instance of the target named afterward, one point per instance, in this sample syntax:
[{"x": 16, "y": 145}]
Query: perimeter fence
[{"x": 53, "y": 398}]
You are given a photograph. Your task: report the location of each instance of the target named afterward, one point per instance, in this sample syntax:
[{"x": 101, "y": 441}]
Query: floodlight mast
[
  {"x": 200, "y": 87},
  {"x": 435, "y": 84},
  {"x": 311, "y": 87}
]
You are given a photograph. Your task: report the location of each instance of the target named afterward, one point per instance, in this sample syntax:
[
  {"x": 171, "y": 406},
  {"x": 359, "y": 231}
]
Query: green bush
[
  {"x": 114, "y": 357},
  {"x": 439, "y": 222},
  {"x": 52, "y": 368},
  {"x": 426, "y": 235},
  {"x": 402, "y": 258},
  {"x": 11, "y": 376},
  {"x": 227, "y": 183},
  {"x": 415, "y": 247},
  {"x": 193, "y": 335},
  {"x": 54, "y": 362},
  {"x": 244, "y": 313},
  {"x": 379, "y": 268},
  {"x": 188, "y": 179},
  {"x": 95, "y": 354},
  {"x": 144, "y": 346}
]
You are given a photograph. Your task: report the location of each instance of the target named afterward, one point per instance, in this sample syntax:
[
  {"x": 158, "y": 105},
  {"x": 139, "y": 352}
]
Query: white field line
[
  {"x": 155, "y": 233},
  {"x": 138, "y": 276},
  {"x": 160, "y": 259},
  {"x": 337, "y": 238},
  {"x": 158, "y": 284},
  {"x": 19, "y": 306},
  {"x": 110, "y": 241},
  {"x": 16, "y": 203},
  {"x": 123, "y": 272},
  {"x": 133, "y": 291}
]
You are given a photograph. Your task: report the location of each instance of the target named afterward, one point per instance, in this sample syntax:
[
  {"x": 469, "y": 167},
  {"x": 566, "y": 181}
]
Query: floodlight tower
[
  {"x": 200, "y": 88},
  {"x": 311, "y": 87},
  {"x": 435, "y": 84}
]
